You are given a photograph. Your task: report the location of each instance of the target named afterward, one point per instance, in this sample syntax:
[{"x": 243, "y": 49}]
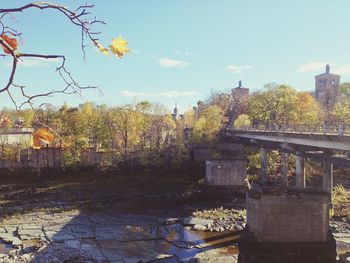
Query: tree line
[{"x": 149, "y": 130}]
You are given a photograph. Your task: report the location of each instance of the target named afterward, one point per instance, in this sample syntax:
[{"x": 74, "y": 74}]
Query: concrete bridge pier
[
  {"x": 287, "y": 225},
  {"x": 328, "y": 175}
]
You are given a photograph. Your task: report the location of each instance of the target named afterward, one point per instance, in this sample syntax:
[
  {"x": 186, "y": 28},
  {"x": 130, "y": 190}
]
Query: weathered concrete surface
[
  {"x": 287, "y": 226},
  {"x": 226, "y": 172},
  {"x": 285, "y": 216}
]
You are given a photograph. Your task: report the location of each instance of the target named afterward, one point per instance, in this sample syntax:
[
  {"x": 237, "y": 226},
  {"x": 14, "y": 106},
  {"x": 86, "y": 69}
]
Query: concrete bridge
[
  {"x": 326, "y": 144},
  {"x": 285, "y": 223}
]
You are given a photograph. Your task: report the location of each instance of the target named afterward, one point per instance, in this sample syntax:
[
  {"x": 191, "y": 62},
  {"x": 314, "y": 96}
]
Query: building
[
  {"x": 16, "y": 136},
  {"x": 239, "y": 92},
  {"x": 326, "y": 86},
  {"x": 174, "y": 114},
  {"x": 239, "y": 100}
]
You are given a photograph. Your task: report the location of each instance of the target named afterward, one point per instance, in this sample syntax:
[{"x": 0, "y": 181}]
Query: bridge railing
[{"x": 339, "y": 129}]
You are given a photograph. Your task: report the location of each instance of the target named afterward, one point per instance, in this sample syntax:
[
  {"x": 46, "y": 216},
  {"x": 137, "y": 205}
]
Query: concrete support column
[
  {"x": 263, "y": 157},
  {"x": 328, "y": 176},
  {"x": 284, "y": 163},
  {"x": 299, "y": 170}
]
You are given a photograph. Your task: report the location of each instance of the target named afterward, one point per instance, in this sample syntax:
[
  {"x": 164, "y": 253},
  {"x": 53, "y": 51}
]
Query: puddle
[
  {"x": 343, "y": 247},
  {"x": 173, "y": 239},
  {"x": 5, "y": 248}
]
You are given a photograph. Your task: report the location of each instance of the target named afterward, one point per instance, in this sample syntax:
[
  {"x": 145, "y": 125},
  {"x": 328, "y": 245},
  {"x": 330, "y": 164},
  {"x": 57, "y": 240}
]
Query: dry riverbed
[{"x": 121, "y": 220}]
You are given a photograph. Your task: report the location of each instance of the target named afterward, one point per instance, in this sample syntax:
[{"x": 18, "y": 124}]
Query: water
[
  {"x": 171, "y": 239},
  {"x": 343, "y": 248},
  {"x": 5, "y": 248}
]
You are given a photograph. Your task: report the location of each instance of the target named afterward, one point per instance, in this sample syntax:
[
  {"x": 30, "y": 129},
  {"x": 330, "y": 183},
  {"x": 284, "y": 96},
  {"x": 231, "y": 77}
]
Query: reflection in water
[
  {"x": 186, "y": 243},
  {"x": 171, "y": 239},
  {"x": 5, "y": 248},
  {"x": 343, "y": 248}
]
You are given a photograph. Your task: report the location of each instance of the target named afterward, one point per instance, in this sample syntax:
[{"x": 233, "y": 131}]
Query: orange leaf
[
  {"x": 42, "y": 136},
  {"x": 12, "y": 42}
]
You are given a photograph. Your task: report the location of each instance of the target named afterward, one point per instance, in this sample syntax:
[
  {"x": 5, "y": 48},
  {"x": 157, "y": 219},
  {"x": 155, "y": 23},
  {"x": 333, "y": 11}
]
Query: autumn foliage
[
  {"x": 118, "y": 47},
  {"x": 12, "y": 42},
  {"x": 42, "y": 137}
]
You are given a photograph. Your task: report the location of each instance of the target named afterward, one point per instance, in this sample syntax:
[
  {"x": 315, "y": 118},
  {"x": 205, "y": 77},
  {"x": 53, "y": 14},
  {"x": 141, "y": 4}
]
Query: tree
[
  {"x": 81, "y": 17},
  {"x": 162, "y": 127},
  {"x": 242, "y": 120},
  {"x": 282, "y": 105},
  {"x": 209, "y": 124},
  {"x": 340, "y": 111},
  {"x": 126, "y": 124},
  {"x": 92, "y": 122}
]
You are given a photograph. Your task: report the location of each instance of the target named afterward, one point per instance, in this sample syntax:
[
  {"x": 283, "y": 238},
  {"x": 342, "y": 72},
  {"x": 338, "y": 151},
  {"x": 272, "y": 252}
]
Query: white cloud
[
  {"x": 345, "y": 69},
  {"x": 166, "y": 94},
  {"x": 172, "y": 63},
  {"x": 238, "y": 69},
  {"x": 33, "y": 62},
  {"x": 312, "y": 66},
  {"x": 321, "y": 67}
]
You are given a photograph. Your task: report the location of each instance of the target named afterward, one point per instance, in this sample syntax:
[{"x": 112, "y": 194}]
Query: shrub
[
  {"x": 340, "y": 201},
  {"x": 69, "y": 161}
]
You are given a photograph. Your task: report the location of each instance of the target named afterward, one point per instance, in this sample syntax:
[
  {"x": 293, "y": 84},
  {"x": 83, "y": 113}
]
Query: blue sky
[{"x": 183, "y": 49}]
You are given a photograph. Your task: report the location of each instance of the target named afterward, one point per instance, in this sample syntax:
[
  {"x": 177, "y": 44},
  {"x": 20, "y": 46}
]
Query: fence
[{"x": 53, "y": 158}]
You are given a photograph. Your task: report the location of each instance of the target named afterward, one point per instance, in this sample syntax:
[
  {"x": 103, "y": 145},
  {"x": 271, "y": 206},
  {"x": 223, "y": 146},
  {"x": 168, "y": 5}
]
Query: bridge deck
[{"x": 314, "y": 139}]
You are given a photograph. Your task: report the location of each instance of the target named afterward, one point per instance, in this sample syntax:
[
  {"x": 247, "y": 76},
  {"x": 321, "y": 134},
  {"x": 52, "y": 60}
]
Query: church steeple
[{"x": 174, "y": 115}]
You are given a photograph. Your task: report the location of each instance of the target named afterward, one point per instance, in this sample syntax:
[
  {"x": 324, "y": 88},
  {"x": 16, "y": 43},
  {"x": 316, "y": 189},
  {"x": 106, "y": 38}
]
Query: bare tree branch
[{"x": 80, "y": 17}]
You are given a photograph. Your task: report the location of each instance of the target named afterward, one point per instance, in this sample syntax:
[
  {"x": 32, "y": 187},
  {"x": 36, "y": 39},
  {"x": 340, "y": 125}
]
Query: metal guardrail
[{"x": 339, "y": 130}]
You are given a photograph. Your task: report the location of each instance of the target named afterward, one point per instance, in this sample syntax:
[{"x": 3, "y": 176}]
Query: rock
[
  {"x": 170, "y": 221},
  {"x": 213, "y": 257},
  {"x": 27, "y": 257},
  {"x": 6, "y": 237},
  {"x": 199, "y": 227},
  {"x": 345, "y": 258},
  {"x": 197, "y": 221},
  {"x": 30, "y": 246},
  {"x": 61, "y": 253},
  {"x": 16, "y": 242}
]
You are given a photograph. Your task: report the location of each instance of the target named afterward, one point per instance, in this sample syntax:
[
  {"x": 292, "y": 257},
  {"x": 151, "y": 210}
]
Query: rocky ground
[
  {"x": 121, "y": 220},
  {"x": 109, "y": 220}
]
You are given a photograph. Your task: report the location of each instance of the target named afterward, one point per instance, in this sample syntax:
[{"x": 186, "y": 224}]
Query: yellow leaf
[
  {"x": 102, "y": 49},
  {"x": 119, "y": 47}
]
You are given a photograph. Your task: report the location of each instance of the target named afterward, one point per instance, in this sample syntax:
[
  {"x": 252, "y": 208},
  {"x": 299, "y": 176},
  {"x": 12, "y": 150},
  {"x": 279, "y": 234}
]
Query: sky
[{"x": 182, "y": 50}]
